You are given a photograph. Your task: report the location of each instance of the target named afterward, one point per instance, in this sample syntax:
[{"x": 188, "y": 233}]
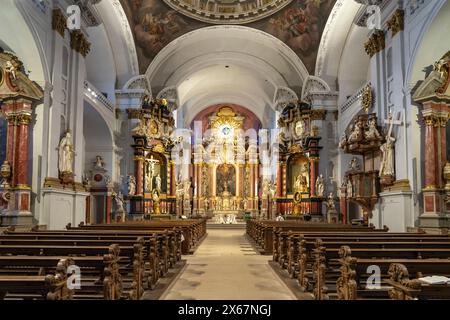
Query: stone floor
[{"x": 226, "y": 267}]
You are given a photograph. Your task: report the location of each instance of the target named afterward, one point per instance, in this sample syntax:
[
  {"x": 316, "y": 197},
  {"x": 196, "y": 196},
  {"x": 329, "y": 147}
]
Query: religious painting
[
  {"x": 299, "y": 24},
  {"x": 226, "y": 179},
  {"x": 298, "y": 174},
  {"x": 155, "y": 173},
  {"x": 3, "y": 135}
]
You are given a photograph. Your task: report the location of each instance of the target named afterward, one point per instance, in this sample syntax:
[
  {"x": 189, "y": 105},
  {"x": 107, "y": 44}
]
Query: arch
[
  {"x": 226, "y": 64},
  {"x": 24, "y": 40},
  {"x": 98, "y": 139},
  {"x": 340, "y": 48},
  {"x": 436, "y": 18},
  {"x": 120, "y": 39}
]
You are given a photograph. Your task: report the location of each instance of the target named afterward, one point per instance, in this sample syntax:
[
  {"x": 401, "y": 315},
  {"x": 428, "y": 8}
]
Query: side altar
[{"x": 153, "y": 186}]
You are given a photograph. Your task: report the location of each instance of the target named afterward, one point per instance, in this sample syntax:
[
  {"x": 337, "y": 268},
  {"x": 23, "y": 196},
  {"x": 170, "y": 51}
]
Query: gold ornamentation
[
  {"x": 375, "y": 44},
  {"x": 430, "y": 120},
  {"x": 227, "y": 116},
  {"x": 318, "y": 114},
  {"x": 2, "y": 76},
  {"x": 396, "y": 23},
  {"x": 24, "y": 119},
  {"x": 59, "y": 22},
  {"x": 79, "y": 43},
  {"x": 159, "y": 148},
  {"x": 367, "y": 98}
]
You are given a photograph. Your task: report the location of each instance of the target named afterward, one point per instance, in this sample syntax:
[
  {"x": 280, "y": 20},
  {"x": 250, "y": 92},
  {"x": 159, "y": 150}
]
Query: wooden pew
[
  {"x": 404, "y": 288},
  {"x": 49, "y": 287},
  {"x": 120, "y": 270},
  {"x": 395, "y": 281},
  {"x": 156, "y": 245}
]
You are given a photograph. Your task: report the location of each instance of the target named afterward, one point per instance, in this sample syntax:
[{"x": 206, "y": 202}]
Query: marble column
[
  {"x": 18, "y": 113},
  {"x": 139, "y": 173},
  {"x": 430, "y": 153}
]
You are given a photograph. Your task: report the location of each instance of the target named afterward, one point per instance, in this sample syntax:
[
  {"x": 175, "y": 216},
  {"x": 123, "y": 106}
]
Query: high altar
[{"x": 225, "y": 167}]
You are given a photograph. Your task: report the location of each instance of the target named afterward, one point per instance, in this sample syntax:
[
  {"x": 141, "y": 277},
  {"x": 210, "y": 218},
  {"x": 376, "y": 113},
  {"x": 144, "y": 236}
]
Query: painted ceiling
[{"x": 298, "y": 23}]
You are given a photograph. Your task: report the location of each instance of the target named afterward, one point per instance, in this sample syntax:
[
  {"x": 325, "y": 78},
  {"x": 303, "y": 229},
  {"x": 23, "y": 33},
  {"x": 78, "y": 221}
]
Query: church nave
[{"x": 226, "y": 267}]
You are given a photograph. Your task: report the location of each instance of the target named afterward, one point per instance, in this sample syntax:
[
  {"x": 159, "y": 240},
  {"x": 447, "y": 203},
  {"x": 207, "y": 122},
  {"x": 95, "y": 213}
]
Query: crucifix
[
  {"x": 151, "y": 165},
  {"x": 391, "y": 122}
]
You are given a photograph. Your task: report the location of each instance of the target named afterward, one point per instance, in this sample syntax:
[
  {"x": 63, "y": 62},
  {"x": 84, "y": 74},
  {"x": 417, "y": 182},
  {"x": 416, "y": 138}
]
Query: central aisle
[{"x": 226, "y": 267}]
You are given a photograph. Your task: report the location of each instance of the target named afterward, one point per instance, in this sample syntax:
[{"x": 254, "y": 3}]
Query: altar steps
[{"x": 237, "y": 226}]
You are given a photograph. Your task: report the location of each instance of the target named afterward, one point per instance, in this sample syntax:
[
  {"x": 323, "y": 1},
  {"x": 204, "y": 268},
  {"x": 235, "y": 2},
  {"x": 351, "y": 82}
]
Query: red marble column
[
  {"x": 139, "y": 173},
  {"x": 22, "y": 150},
  {"x": 443, "y": 146},
  {"x": 108, "y": 209},
  {"x": 430, "y": 153},
  {"x": 279, "y": 194}
]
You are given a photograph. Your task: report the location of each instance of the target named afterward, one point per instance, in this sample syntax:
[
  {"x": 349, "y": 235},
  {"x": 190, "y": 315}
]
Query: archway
[{"x": 226, "y": 64}]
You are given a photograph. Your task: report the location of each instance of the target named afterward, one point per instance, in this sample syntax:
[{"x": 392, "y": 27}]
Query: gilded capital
[
  {"x": 59, "y": 22},
  {"x": 396, "y": 22}
]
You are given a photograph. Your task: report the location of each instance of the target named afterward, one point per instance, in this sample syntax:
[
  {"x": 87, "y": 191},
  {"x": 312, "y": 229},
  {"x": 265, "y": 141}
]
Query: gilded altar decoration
[
  {"x": 363, "y": 134},
  {"x": 156, "y": 202},
  {"x": 442, "y": 67},
  {"x": 367, "y": 98}
]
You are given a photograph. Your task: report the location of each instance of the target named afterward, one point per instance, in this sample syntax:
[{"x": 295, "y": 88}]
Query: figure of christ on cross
[{"x": 151, "y": 170}]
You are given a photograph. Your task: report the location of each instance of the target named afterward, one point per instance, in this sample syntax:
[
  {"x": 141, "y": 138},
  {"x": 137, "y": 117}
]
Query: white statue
[
  {"x": 9, "y": 68},
  {"x": 349, "y": 189},
  {"x": 66, "y": 154},
  {"x": 372, "y": 132},
  {"x": 353, "y": 165},
  {"x": 99, "y": 163},
  {"x": 320, "y": 186},
  {"x": 131, "y": 185},
  {"x": 387, "y": 149},
  {"x": 158, "y": 182},
  {"x": 119, "y": 202},
  {"x": 331, "y": 206},
  {"x": 245, "y": 204}
]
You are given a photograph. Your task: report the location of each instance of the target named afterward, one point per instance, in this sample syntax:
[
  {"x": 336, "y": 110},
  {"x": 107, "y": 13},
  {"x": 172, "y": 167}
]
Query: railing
[
  {"x": 94, "y": 94},
  {"x": 353, "y": 99}
]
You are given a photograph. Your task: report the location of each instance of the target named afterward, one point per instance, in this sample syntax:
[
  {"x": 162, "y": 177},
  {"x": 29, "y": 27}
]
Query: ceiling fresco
[{"x": 297, "y": 23}]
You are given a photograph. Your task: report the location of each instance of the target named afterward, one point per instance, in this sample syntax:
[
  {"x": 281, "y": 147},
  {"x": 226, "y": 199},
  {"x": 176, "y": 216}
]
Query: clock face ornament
[{"x": 228, "y": 11}]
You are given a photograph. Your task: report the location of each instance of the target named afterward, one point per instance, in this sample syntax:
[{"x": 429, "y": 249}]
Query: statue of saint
[
  {"x": 156, "y": 202},
  {"x": 387, "y": 162},
  {"x": 349, "y": 188},
  {"x": 320, "y": 186},
  {"x": 331, "y": 206},
  {"x": 299, "y": 129},
  {"x": 120, "y": 203},
  {"x": 131, "y": 182},
  {"x": 11, "y": 70},
  {"x": 158, "y": 182},
  {"x": 99, "y": 163},
  {"x": 66, "y": 154}
]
